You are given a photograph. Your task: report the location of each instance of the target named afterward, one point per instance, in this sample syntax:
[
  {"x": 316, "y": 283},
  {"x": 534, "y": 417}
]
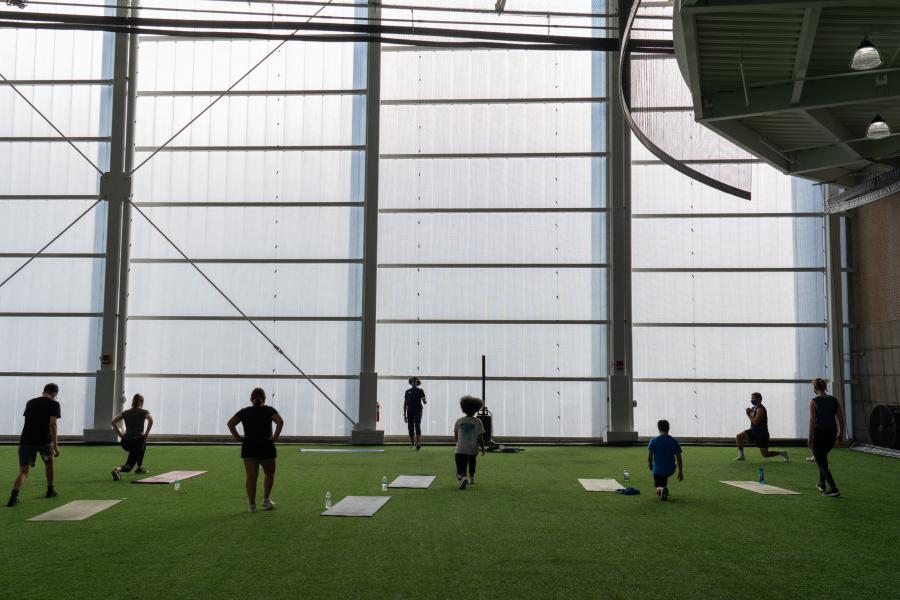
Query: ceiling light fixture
[
  {"x": 877, "y": 129},
  {"x": 866, "y": 57}
]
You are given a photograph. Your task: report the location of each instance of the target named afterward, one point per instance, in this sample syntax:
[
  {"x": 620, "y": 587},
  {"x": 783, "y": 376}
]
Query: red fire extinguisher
[{"x": 378, "y": 412}]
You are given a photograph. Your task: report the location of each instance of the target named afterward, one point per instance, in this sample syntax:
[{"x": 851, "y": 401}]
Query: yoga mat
[
  {"x": 415, "y": 482},
  {"x": 170, "y": 477},
  {"x": 357, "y": 506},
  {"x": 600, "y": 485},
  {"x": 354, "y": 450},
  {"x": 761, "y": 488},
  {"x": 77, "y": 510}
]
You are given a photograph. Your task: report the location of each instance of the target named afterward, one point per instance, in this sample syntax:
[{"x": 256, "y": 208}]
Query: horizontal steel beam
[
  {"x": 249, "y": 204},
  {"x": 347, "y": 148},
  {"x": 269, "y": 92},
  {"x": 734, "y": 325},
  {"x": 728, "y": 269},
  {"x": 52, "y": 82},
  {"x": 479, "y": 155},
  {"x": 47, "y": 374},
  {"x": 55, "y": 315},
  {"x": 51, "y": 139},
  {"x": 492, "y": 265},
  {"x": 250, "y": 261},
  {"x": 493, "y": 321},
  {"x": 49, "y": 197},
  {"x": 492, "y": 378},
  {"x": 747, "y": 215},
  {"x": 52, "y": 255},
  {"x": 221, "y": 318},
  {"x": 493, "y": 210},
  {"x": 466, "y": 101},
  {"x": 239, "y": 376},
  {"x": 714, "y": 380}
]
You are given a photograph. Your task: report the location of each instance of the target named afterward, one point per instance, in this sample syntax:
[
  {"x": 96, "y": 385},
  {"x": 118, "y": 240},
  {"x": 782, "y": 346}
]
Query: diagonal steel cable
[
  {"x": 49, "y": 122},
  {"x": 47, "y": 245},
  {"x": 242, "y": 313},
  {"x": 226, "y": 92}
]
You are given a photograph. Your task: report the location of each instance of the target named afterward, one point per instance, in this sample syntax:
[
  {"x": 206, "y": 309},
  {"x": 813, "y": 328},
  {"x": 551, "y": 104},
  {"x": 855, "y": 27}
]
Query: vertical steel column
[
  {"x": 621, "y": 405},
  {"x": 835, "y": 298},
  {"x": 365, "y": 431},
  {"x": 115, "y": 189}
]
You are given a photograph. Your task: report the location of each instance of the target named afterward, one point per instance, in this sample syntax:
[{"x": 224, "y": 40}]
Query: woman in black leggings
[
  {"x": 134, "y": 438},
  {"x": 826, "y": 429}
]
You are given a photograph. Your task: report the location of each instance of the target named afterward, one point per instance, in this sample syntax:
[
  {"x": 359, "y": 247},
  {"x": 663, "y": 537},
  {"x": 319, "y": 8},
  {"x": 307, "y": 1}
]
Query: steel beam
[{"x": 804, "y": 49}]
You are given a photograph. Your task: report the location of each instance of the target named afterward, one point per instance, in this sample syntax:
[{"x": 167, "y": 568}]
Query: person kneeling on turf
[
  {"x": 664, "y": 451},
  {"x": 134, "y": 438},
  {"x": 759, "y": 430},
  {"x": 469, "y": 434}
]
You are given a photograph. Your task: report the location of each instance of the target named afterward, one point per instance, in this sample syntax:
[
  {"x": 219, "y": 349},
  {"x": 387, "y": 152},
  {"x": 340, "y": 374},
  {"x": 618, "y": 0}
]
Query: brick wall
[{"x": 873, "y": 233}]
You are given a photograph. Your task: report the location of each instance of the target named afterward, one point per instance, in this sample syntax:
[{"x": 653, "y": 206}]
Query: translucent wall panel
[
  {"x": 201, "y": 406},
  {"x": 717, "y": 409},
  {"x": 48, "y": 312},
  {"x": 226, "y": 191},
  {"x": 539, "y": 409}
]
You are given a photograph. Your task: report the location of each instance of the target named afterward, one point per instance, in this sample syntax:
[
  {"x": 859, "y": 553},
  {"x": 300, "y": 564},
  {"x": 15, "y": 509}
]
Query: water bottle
[
  {"x": 327, "y": 500},
  {"x": 761, "y": 475},
  {"x": 176, "y": 484},
  {"x": 384, "y": 483},
  {"x": 627, "y": 477}
]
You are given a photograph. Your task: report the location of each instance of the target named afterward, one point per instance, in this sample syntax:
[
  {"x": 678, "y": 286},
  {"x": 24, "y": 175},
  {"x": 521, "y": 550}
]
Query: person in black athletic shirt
[
  {"x": 134, "y": 438},
  {"x": 39, "y": 438},
  {"x": 826, "y": 429},
  {"x": 759, "y": 430},
  {"x": 258, "y": 445},
  {"x": 412, "y": 411}
]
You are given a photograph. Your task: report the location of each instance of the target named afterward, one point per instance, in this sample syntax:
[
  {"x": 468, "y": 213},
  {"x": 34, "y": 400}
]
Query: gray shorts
[{"x": 28, "y": 454}]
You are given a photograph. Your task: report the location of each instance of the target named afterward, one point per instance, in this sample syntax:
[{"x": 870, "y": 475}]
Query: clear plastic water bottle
[
  {"x": 627, "y": 477},
  {"x": 327, "y": 500},
  {"x": 176, "y": 484},
  {"x": 761, "y": 475},
  {"x": 384, "y": 483}
]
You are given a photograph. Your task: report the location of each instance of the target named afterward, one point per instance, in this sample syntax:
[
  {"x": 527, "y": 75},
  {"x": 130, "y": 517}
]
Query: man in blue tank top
[{"x": 759, "y": 430}]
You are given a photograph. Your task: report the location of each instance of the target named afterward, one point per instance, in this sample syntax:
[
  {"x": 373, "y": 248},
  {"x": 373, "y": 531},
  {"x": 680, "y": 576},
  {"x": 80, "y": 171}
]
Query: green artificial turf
[{"x": 526, "y": 530}]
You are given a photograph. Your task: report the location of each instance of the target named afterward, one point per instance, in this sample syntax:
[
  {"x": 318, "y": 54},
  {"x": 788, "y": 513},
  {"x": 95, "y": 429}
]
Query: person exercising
[
  {"x": 758, "y": 432},
  {"x": 39, "y": 437},
  {"x": 258, "y": 445},
  {"x": 134, "y": 438},
  {"x": 412, "y": 411}
]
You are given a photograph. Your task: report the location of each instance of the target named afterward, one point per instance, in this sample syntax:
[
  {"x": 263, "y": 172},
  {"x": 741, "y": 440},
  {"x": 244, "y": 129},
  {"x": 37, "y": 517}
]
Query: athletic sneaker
[
  {"x": 810, "y": 459},
  {"x": 665, "y": 494},
  {"x": 116, "y": 475},
  {"x": 740, "y": 457},
  {"x": 12, "y": 502},
  {"x": 785, "y": 457},
  {"x": 141, "y": 470},
  {"x": 471, "y": 481},
  {"x": 820, "y": 487},
  {"x": 418, "y": 446},
  {"x": 251, "y": 508},
  {"x": 51, "y": 494},
  {"x": 268, "y": 504},
  {"x": 833, "y": 493},
  {"x": 463, "y": 483}
]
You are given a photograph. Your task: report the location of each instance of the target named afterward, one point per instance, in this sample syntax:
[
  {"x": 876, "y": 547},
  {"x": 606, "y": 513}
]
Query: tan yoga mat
[
  {"x": 357, "y": 506},
  {"x": 76, "y": 510},
  {"x": 415, "y": 482},
  {"x": 600, "y": 485},
  {"x": 761, "y": 488},
  {"x": 170, "y": 477}
]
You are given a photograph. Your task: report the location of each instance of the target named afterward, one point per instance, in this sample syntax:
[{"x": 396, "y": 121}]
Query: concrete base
[
  {"x": 100, "y": 436},
  {"x": 621, "y": 437},
  {"x": 367, "y": 437}
]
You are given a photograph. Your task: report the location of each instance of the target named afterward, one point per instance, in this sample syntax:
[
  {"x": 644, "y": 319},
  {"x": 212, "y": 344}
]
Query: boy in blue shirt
[{"x": 664, "y": 452}]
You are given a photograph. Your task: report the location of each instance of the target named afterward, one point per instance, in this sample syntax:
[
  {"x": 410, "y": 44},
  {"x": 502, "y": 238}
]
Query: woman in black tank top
[
  {"x": 134, "y": 438},
  {"x": 826, "y": 429}
]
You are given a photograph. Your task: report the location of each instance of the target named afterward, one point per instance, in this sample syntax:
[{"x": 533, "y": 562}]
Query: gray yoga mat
[
  {"x": 600, "y": 485},
  {"x": 357, "y": 506},
  {"x": 348, "y": 450},
  {"x": 77, "y": 510},
  {"x": 415, "y": 482},
  {"x": 761, "y": 488}
]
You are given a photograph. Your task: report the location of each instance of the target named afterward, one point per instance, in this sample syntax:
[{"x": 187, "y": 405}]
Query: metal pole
[
  {"x": 621, "y": 406},
  {"x": 483, "y": 381},
  {"x": 835, "y": 298},
  {"x": 115, "y": 190},
  {"x": 365, "y": 430}
]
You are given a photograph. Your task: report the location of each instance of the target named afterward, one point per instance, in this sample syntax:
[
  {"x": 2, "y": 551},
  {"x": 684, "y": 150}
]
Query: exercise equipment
[{"x": 487, "y": 418}]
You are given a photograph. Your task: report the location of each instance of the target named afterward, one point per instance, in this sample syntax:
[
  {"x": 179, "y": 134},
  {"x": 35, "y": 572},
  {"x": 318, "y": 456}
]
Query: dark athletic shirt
[
  {"x": 826, "y": 412},
  {"x": 414, "y": 398},
  {"x": 763, "y": 427},
  {"x": 134, "y": 422},
  {"x": 36, "y": 431},
  {"x": 257, "y": 421}
]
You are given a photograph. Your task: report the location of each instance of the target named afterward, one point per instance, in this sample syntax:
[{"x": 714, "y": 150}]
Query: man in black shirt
[
  {"x": 38, "y": 438},
  {"x": 412, "y": 411}
]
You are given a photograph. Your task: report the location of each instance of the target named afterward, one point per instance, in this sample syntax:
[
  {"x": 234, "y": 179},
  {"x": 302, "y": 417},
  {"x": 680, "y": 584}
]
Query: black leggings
[
  {"x": 414, "y": 422},
  {"x": 135, "y": 449},
  {"x": 823, "y": 442},
  {"x": 463, "y": 461}
]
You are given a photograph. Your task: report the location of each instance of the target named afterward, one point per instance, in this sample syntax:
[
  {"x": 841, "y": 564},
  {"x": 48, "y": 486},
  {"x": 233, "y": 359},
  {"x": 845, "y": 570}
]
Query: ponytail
[{"x": 820, "y": 384}]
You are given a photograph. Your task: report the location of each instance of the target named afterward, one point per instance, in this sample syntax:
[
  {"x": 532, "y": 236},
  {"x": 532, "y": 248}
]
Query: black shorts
[
  {"x": 661, "y": 480},
  {"x": 261, "y": 450},
  {"x": 761, "y": 440},
  {"x": 28, "y": 454}
]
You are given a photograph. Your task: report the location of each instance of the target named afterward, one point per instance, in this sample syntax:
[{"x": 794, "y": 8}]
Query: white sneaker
[
  {"x": 785, "y": 457},
  {"x": 740, "y": 457},
  {"x": 251, "y": 508},
  {"x": 463, "y": 483},
  {"x": 471, "y": 481},
  {"x": 810, "y": 459},
  {"x": 268, "y": 504}
]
